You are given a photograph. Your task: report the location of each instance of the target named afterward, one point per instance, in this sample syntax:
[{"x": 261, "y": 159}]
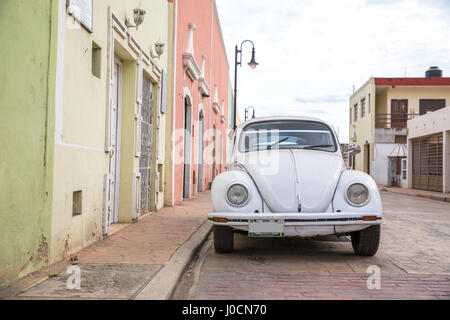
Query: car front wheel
[
  {"x": 365, "y": 242},
  {"x": 223, "y": 239}
]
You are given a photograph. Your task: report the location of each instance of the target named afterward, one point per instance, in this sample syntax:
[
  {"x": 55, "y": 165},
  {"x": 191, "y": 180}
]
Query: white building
[{"x": 429, "y": 151}]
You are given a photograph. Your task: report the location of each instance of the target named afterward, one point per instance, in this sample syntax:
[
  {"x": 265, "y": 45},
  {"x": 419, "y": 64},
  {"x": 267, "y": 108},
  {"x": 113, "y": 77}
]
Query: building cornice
[
  {"x": 192, "y": 69},
  {"x": 397, "y": 82}
]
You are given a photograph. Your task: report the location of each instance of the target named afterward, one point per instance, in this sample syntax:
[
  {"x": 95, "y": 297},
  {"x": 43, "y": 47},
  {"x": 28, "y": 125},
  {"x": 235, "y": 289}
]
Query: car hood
[{"x": 289, "y": 178}]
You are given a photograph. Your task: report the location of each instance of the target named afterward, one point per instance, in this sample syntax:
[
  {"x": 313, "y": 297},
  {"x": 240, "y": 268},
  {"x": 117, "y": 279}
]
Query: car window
[{"x": 293, "y": 134}]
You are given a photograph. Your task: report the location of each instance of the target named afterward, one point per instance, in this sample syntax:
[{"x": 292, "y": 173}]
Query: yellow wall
[
  {"x": 364, "y": 125},
  {"x": 414, "y": 94},
  {"x": 382, "y": 102},
  {"x": 80, "y": 158},
  {"x": 168, "y": 123}
]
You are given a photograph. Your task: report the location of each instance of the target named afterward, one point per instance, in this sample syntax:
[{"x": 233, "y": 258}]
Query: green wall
[{"x": 28, "y": 33}]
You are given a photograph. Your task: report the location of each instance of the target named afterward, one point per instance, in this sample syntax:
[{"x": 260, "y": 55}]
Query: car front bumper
[{"x": 301, "y": 224}]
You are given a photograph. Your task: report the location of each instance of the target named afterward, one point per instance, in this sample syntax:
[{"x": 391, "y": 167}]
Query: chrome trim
[
  {"x": 237, "y": 184},
  {"x": 354, "y": 204}
]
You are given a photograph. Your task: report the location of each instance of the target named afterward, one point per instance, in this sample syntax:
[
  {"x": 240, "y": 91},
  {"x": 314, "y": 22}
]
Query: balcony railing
[{"x": 393, "y": 120}]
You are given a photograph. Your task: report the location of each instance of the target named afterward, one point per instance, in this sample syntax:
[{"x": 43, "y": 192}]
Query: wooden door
[
  {"x": 367, "y": 158},
  {"x": 399, "y": 113}
]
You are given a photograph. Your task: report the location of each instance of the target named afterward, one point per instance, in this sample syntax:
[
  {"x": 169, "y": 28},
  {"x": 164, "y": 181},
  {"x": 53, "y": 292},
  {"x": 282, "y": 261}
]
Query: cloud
[
  {"x": 318, "y": 111},
  {"x": 323, "y": 99}
]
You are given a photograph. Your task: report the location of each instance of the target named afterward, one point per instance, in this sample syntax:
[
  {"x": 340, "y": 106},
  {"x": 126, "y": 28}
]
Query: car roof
[{"x": 277, "y": 118}]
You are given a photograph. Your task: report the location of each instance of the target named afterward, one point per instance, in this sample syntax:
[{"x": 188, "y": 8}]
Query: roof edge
[
  {"x": 393, "y": 82},
  {"x": 361, "y": 87},
  {"x": 216, "y": 13}
]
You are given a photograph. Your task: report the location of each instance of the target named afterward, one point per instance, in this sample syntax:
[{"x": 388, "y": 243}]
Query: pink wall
[{"x": 208, "y": 42}]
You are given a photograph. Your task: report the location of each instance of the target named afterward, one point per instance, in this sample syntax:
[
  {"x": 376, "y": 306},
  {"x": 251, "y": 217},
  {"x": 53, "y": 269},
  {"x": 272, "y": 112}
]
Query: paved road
[{"x": 414, "y": 261}]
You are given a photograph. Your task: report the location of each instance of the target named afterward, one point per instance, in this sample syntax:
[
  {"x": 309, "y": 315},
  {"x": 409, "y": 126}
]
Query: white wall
[
  {"x": 430, "y": 123},
  {"x": 379, "y": 167}
]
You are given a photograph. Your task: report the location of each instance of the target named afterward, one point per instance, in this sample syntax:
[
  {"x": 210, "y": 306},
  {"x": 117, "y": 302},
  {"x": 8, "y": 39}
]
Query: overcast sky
[{"x": 312, "y": 52}]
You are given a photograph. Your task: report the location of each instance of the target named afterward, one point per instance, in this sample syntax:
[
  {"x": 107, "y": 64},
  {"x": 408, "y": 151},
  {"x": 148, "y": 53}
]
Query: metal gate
[
  {"x": 427, "y": 162},
  {"x": 146, "y": 144}
]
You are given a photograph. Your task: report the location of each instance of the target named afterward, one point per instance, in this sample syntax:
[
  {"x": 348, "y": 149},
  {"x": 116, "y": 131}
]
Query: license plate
[{"x": 266, "y": 228}]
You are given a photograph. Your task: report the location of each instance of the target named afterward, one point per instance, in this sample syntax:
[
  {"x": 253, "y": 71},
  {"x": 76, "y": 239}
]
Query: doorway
[
  {"x": 395, "y": 168},
  {"x": 115, "y": 125},
  {"x": 187, "y": 147},
  {"x": 214, "y": 153},
  {"x": 201, "y": 130},
  {"x": 146, "y": 144},
  {"x": 427, "y": 162},
  {"x": 399, "y": 113},
  {"x": 367, "y": 158}
]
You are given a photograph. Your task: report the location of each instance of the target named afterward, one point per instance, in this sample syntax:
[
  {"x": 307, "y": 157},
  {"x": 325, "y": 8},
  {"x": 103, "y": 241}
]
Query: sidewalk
[
  {"x": 418, "y": 193},
  {"x": 158, "y": 247}
]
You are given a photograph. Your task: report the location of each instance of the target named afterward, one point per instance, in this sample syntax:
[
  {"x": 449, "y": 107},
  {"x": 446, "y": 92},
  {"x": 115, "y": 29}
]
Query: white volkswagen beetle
[{"x": 287, "y": 178}]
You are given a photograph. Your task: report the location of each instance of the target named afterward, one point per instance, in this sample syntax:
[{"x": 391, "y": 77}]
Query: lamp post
[
  {"x": 252, "y": 65},
  {"x": 247, "y": 110}
]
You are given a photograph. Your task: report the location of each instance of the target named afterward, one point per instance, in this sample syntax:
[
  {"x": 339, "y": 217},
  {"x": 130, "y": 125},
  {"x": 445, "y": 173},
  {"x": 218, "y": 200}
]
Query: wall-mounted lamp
[
  {"x": 159, "y": 48},
  {"x": 138, "y": 16}
]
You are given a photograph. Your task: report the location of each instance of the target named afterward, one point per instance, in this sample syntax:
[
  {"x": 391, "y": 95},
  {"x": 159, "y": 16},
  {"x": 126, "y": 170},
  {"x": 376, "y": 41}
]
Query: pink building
[{"x": 200, "y": 82}]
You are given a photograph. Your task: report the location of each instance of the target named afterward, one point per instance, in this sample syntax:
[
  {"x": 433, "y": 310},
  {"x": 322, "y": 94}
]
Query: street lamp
[
  {"x": 247, "y": 111},
  {"x": 252, "y": 65}
]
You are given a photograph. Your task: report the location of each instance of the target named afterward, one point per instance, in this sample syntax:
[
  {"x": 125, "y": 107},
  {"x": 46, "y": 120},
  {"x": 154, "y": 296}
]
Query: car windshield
[{"x": 293, "y": 134}]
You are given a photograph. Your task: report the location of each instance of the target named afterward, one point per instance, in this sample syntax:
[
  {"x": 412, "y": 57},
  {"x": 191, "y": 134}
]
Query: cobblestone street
[{"x": 414, "y": 259}]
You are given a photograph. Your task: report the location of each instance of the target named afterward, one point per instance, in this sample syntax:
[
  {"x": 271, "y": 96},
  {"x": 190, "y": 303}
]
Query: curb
[
  {"x": 430, "y": 196},
  {"x": 420, "y": 195},
  {"x": 162, "y": 286}
]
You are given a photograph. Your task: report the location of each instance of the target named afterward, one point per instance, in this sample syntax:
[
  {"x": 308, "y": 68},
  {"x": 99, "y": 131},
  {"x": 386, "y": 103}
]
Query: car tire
[
  {"x": 223, "y": 239},
  {"x": 365, "y": 242}
]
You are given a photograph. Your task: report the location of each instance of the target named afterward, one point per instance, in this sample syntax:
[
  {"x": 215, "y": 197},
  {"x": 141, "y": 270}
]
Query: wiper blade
[
  {"x": 274, "y": 144},
  {"x": 319, "y": 146}
]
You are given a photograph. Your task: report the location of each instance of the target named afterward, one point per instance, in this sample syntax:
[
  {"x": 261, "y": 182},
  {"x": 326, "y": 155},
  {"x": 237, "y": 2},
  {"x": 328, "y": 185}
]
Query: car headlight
[
  {"x": 357, "y": 194},
  {"x": 237, "y": 195}
]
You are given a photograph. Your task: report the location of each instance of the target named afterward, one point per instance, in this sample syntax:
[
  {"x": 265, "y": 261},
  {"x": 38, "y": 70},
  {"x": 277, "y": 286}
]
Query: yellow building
[
  {"x": 379, "y": 112},
  {"x": 110, "y": 117}
]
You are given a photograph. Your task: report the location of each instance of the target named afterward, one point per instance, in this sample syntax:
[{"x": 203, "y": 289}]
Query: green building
[{"x": 27, "y": 97}]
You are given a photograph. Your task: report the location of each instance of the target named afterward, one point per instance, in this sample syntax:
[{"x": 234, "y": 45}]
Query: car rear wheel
[
  {"x": 365, "y": 242},
  {"x": 223, "y": 239}
]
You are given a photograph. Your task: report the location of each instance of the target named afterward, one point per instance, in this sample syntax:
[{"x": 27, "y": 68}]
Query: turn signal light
[
  {"x": 369, "y": 218},
  {"x": 220, "y": 220}
]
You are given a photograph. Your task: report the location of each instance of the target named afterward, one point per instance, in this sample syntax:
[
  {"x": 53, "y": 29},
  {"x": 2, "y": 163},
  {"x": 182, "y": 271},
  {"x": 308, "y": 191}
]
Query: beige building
[
  {"x": 379, "y": 112},
  {"x": 110, "y": 118}
]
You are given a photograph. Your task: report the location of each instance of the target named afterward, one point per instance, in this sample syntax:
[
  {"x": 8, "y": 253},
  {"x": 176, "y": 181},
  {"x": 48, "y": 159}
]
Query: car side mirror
[{"x": 354, "y": 149}]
